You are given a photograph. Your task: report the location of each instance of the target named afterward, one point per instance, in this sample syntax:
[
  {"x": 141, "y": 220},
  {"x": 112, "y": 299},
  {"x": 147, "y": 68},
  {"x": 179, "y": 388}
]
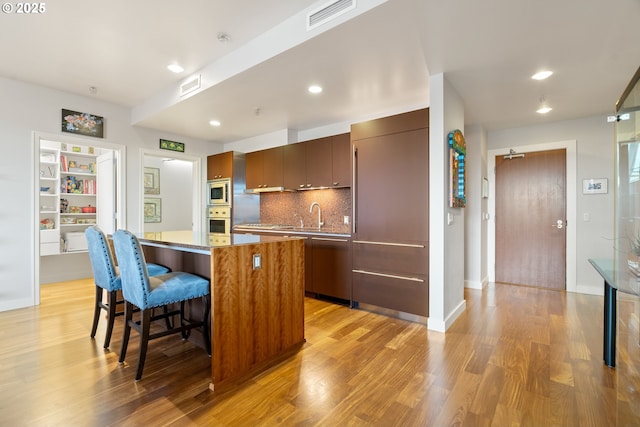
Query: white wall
[
  {"x": 176, "y": 182},
  {"x": 595, "y": 159},
  {"x": 25, "y": 108},
  {"x": 475, "y": 223},
  {"x": 446, "y": 240}
]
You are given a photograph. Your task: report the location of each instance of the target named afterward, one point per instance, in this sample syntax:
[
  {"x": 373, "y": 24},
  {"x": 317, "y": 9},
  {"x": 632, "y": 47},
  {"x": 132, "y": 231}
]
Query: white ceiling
[{"x": 374, "y": 59}]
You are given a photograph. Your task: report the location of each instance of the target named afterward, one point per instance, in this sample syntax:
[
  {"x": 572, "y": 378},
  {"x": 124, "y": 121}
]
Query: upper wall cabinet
[
  {"x": 220, "y": 165},
  {"x": 308, "y": 164},
  {"x": 318, "y": 163},
  {"x": 341, "y": 160},
  {"x": 265, "y": 168}
]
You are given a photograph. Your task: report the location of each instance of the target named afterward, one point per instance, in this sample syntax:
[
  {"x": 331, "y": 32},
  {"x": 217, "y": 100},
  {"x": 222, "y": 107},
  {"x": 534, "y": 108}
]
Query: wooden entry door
[{"x": 531, "y": 219}]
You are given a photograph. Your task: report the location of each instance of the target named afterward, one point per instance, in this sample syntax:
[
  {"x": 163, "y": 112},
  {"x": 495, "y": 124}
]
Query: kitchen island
[{"x": 257, "y": 295}]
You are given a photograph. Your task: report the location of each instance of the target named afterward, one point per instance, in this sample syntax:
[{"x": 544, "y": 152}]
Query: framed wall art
[
  {"x": 82, "y": 123},
  {"x": 595, "y": 186},
  {"x": 152, "y": 209},
  {"x": 151, "y": 181},
  {"x": 457, "y": 168},
  {"x": 165, "y": 144}
]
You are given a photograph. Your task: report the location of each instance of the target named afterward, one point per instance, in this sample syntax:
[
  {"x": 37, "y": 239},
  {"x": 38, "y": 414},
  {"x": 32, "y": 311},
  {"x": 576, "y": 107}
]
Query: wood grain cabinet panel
[
  {"x": 393, "y": 293},
  {"x": 319, "y": 163},
  {"x": 220, "y": 165},
  {"x": 273, "y": 167},
  {"x": 330, "y": 267},
  {"x": 257, "y": 314},
  {"x": 341, "y": 160},
  {"x": 264, "y": 168},
  {"x": 254, "y": 169},
  {"x": 295, "y": 166},
  {"x": 391, "y": 212}
]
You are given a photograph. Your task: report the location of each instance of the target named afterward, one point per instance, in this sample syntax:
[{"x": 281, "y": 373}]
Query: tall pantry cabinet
[{"x": 391, "y": 211}]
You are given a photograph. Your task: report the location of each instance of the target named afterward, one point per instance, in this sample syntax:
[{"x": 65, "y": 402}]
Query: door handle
[{"x": 559, "y": 224}]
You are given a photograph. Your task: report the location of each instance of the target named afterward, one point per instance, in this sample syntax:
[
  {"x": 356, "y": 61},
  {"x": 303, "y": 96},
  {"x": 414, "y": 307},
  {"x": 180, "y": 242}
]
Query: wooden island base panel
[{"x": 257, "y": 303}]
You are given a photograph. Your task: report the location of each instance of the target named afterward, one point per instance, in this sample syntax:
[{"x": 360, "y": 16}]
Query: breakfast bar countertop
[
  {"x": 190, "y": 241},
  {"x": 287, "y": 230}
]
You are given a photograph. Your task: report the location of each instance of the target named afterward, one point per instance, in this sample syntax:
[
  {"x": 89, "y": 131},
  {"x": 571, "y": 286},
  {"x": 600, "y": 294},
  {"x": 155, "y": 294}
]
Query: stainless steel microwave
[{"x": 219, "y": 192}]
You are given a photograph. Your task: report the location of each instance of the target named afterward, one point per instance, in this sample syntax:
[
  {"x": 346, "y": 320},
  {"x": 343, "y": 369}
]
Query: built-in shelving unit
[
  {"x": 68, "y": 187},
  {"x": 49, "y": 200}
]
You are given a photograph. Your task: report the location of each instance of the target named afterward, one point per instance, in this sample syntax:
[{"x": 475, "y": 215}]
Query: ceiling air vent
[
  {"x": 327, "y": 12},
  {"x": 190, "y": 85}
]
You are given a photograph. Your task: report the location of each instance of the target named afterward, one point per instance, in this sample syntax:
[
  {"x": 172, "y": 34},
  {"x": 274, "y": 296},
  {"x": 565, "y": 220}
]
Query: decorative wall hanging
[
  {"x": 595, "y": 186},
  {"x": 152, "y": 210},
  {"x": 82, "y": 123},
  {"x": 457, "y": 160},
  {"x": 151, "y": 181},
  {"x": 172, "y": 145}
]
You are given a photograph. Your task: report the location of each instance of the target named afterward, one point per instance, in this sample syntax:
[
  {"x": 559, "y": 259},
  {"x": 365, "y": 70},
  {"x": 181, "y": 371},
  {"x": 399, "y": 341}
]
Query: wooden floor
[{"x": 517, "y": 357}]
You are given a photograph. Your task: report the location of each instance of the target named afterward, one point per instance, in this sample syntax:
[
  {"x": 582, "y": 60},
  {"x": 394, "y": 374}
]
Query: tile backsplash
[{"x": 291, "y": 208}]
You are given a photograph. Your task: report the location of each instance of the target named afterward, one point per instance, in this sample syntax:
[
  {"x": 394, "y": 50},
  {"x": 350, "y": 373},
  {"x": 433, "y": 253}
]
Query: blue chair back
[
  {"x": 104, "y": 271},
  {"x": 133, "y": 268}
]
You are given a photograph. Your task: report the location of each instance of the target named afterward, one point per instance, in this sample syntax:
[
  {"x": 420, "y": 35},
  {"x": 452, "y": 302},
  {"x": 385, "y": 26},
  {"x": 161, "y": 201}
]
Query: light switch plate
[{"x": 257, "y": 261}]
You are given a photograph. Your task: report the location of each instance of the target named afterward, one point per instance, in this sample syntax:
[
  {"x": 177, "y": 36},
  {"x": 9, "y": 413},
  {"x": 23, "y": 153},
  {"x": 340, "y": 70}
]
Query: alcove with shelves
[
  {"x": 48, "y": 199},
  {"x": 67, "y": 196}
]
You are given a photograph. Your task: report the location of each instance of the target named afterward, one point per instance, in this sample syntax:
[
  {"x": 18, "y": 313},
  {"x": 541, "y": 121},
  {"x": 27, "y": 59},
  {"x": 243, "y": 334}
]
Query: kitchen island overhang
[{"x": 257, "y": 295}]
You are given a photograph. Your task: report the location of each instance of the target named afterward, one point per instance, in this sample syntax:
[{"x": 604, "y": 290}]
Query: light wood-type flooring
[{"x": 518, "y": 356}]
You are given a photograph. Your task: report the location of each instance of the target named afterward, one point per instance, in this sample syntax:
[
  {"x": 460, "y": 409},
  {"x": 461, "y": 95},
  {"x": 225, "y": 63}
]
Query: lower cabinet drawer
[
  {"x": 50, "y": 236},
  {"x": 409, "y": 260},
  {"x": 49, "y": 248},
  {"x": 409, "y": 294}
]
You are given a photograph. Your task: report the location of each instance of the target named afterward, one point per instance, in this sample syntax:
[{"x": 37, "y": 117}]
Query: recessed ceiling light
[
  {"x": 175, "y": 68},
  {"x": 315, "y": 89},
  {"x": 541, "y": 75},
  {"x": 214, "y": 123}
]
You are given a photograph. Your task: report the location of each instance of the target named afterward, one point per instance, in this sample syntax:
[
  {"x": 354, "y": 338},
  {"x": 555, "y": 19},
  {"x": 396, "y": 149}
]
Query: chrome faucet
[{"x": 320, "y": 223}]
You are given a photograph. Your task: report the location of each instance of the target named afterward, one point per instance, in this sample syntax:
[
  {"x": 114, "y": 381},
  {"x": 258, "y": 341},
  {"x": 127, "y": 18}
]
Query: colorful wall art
[{"x": 457, "y": 166}]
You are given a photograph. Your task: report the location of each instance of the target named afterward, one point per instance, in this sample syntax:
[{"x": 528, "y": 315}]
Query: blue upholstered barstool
[
  {"x": 107, "y": 277},
  {"x": 144, "y": 292}
]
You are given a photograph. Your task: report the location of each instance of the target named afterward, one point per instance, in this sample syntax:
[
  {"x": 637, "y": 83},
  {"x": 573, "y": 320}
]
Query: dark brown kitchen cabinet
[
  {"x": 295, "y": 166},
  {"x": 220, "y": 165},
  {"x": 391, "y": 212},
  {"x": 329, "y": 267},
  {"x": 319, "y": 168},
  {"x": 265, "y": 168},
  {"x": 308, "y": 164},
  {"x": 341, "y": 160},
  {"x": 318, "y": 163}
]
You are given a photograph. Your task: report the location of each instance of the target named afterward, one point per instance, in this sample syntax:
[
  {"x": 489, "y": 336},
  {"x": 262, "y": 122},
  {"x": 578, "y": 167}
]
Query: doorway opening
[
  {"x": 171, "y": 192},
  {"x": 77, "y": 184}
]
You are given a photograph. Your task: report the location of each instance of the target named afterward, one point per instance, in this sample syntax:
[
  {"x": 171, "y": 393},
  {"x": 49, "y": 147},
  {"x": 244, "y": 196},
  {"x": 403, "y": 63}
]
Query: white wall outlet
[
  {"x": 257, "y": 261},
  {"x": 346, "y": 219}
]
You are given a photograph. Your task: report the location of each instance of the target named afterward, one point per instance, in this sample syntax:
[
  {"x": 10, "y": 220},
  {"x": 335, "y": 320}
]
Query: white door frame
[
  {"x": 571, "y": 199},
  {"x": 121, "y": 207},
  {"x": 198, "y": 209}
]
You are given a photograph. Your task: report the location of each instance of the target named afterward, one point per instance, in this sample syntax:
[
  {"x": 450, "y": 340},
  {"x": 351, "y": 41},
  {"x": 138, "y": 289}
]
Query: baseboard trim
[{"x": 442, "y": 325}]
